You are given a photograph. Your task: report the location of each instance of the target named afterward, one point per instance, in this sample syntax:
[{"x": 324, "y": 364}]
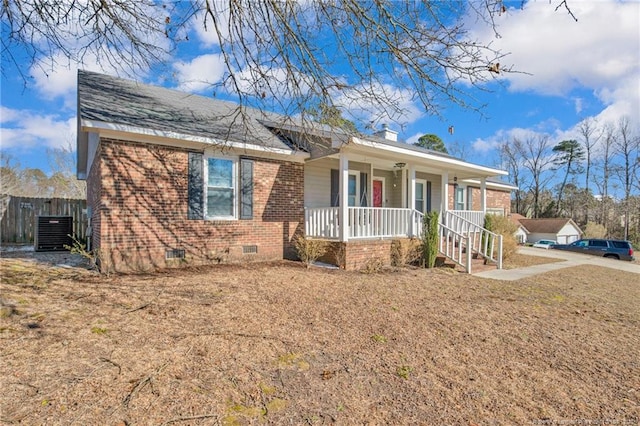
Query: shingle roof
[
  {"x": 115, "y": 100},
  {"x": 545, "y": 226}
]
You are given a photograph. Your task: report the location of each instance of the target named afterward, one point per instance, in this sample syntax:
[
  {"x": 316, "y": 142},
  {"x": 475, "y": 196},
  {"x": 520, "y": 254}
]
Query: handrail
[
  {"x": 482, "y": 241},
  {"x": 452, "y": 245}
]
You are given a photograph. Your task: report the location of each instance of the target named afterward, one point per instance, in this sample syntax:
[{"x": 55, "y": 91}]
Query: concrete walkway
[{"x": 569, "y": 259}]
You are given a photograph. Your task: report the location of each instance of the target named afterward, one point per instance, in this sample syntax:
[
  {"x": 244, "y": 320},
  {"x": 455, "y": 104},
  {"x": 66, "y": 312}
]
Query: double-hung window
[{"x": 221, "y": 188}]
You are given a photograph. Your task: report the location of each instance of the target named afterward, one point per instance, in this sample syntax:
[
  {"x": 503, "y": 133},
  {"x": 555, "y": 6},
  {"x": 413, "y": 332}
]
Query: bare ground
[{"x": 279, "y": 344}]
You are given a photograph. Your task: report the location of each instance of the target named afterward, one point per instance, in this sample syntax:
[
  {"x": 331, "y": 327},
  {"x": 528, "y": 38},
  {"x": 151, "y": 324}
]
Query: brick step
[{"x": 477, "y": 264}]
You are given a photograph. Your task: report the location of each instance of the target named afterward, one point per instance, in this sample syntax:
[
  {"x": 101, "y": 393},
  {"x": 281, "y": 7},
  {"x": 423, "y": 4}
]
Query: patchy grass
[
  {"x": 518, "y": 260},
  {"x": 278, "y": 343}
]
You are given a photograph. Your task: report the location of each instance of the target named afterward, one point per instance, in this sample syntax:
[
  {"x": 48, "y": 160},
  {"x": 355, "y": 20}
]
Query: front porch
[
  {"x": 367, "y": 192},
  {"x": 370, "y": 231}
]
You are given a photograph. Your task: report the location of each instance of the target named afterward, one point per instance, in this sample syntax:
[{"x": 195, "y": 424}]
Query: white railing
[
  {"x": 454, "y": 245},
  {"x": 363, "y": 222},
  {"x": 377, "y": 222},
  {"x": 474, "y": 216},
  {"x": 482, "y": 241},
  {"x": 322, "y": 222}
]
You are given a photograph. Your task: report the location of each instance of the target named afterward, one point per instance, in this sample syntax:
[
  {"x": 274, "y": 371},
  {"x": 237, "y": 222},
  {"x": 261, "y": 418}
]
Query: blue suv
[{"x": 615, "y": 249}]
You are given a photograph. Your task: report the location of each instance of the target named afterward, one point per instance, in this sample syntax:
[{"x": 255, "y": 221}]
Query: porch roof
[{"x": 391, "y": 152}]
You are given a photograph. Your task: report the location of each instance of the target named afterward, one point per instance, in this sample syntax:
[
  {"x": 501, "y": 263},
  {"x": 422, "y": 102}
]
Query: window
[
  {"x": 220, "y": 188},
  {"x": 459, "y": 199},
  {"x": 353, "y": 190},
  {"x": 357, "y": 185},
  {"x": 421, "y": 189},
  {"x": 597, "y": 243}
]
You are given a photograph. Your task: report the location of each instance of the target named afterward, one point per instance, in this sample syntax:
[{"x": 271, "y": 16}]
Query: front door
[{"x": 377, "y": 193}]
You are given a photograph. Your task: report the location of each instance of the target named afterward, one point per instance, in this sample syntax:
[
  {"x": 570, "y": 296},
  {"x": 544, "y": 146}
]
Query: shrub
[
  {"x": 309, "y": 250},
  {"x": 501, "y": 225},
  {"x": 430, "y": 238},
  {"x": 372, "y": 266},
  {"x": 405, "y": 252}
]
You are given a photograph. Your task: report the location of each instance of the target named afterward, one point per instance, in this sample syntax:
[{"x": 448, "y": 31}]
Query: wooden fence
[{"x": 19, "y": 217}]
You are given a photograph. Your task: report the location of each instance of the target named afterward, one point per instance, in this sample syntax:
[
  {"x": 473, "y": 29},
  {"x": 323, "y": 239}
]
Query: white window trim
[
  {"x": 463, "y": 190},
  {"x": 234, "y": 177},
  {"x": 424, "y": 194},
  {"x": 355, "y": 173}
]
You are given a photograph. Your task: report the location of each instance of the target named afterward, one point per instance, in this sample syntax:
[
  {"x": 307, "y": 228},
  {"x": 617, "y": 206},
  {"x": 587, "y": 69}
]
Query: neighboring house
[
  {"x": 521, "y": 234},
  {"x": 177, "y": 178},
  {"x": 564, "y": 231}
]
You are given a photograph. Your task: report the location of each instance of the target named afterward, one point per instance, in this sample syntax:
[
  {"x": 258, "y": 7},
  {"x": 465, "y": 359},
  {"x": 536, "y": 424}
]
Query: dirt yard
[{"x": 279, "y": 344}]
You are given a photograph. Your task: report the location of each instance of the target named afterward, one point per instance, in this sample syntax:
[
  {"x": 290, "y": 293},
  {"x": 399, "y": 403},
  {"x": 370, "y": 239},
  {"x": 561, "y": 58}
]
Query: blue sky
[{"x": 574, "y": 70}]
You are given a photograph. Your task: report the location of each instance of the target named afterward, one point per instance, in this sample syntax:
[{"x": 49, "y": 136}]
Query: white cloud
[
  {"x": 493, "y": 142},
  {"x": 562, "y": 55},
  {"x": 26, "y": 130},
  {"x": 204, "y": 28},
  {"x": 413, "y": 139},
  {"x": 380, "y": 103},
  {"x": 57, "y": 76},
  {"x": 577, "y": 102},
  {"x": 200, "y": 73}
]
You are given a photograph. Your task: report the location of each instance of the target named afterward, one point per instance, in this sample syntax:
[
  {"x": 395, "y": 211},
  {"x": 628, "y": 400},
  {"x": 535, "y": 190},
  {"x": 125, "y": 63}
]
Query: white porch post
[
  {"x": 343, "y": 212},
  {"x": 412, "y": 187},
  {"x": 483, "y": 195},
  {"x": 412, "y": 195},
  {"x": 370, "y": 187},
  {"x": 403, "y": 187},
  {"x": 444, "y": 206}
]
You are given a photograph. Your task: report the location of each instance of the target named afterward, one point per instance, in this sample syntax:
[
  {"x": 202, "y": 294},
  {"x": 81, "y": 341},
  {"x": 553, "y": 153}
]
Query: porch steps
[{"x": 477, "y": 264}]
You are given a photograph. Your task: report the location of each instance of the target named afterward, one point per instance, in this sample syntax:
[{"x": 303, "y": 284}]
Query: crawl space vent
[
  {"x": 249, "y": 249},
  {"x": 174, "y": 254}
]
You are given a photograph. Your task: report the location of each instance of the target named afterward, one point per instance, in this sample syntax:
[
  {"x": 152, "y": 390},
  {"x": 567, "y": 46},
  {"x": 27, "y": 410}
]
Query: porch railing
[
  {"x": 482, "y": 241},
  {"x": 363, "y": 222},
  {"x": 454, "y": 245},
  {"x": 474, "y": 216}
]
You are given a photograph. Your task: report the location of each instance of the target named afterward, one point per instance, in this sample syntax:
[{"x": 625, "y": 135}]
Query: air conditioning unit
[{"x": 53, "y": 233}]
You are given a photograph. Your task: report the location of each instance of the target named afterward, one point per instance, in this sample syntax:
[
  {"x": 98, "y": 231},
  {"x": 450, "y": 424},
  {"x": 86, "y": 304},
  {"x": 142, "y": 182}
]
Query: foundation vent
[
  {"x": 174, "y": 254},
  {"x": 249, "y": 249}
]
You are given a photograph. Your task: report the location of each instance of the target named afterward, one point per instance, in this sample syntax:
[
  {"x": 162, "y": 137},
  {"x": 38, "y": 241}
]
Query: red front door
[{"x": 377, "y": 193}]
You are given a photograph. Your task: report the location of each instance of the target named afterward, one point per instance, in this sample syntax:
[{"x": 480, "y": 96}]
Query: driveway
[{"x": 570, "y": 259}]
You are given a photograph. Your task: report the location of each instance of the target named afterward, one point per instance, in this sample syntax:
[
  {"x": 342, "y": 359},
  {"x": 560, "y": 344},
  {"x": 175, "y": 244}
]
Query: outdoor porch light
[
  {"x": 400, "y": 165},
  {"x": 455, "y": 182}
]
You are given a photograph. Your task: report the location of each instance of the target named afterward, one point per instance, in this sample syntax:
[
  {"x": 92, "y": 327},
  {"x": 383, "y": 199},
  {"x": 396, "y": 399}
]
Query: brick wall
[
  {"x": 499, "y": 199},
  {"x": 359, "y": 252},
  {"x": 138, "y": 194},
  {"x": 495, "y": 199}
]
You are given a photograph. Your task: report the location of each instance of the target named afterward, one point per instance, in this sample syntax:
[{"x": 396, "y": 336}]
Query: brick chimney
[{"x": 387, "y": 133}]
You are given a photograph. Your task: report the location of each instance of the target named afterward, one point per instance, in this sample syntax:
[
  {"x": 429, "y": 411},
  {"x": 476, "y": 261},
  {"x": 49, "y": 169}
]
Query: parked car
[
  {"x": 545, "y": 244},
  {"x": 616, "y": 249}
]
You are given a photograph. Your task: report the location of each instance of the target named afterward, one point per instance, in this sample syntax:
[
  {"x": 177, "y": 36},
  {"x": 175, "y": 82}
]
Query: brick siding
[
  {"x": 495, "y": 199},
  {"x": 138, "y": 196}
]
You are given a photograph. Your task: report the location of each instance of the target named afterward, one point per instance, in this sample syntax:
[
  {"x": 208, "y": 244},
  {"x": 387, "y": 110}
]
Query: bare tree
[
  {"x": 590, "y": 134},
  {"x": 513, "y": 161},
  {"x": 286, "y": 55},
  {"x": 538, "y": 161},
  {"x": 63, "y": 181},
  {"x": 627, "y": 144},
  {"x": 127, "y": 36},
  {"x": 606, "y": 154}
]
